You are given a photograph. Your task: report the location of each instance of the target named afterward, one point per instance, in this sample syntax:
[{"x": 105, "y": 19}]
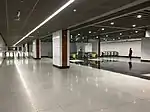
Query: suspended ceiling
[{"x": 18, "y": 17}]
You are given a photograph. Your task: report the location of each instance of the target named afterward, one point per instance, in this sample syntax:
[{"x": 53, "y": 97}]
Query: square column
[
  {"x": 145, "y": 47},
  {"x": 27, "y": 50},
  {"x": 61, "y": 49},
  {"x": 36, "y": 49},
  {"x": 23, "y": 50}
]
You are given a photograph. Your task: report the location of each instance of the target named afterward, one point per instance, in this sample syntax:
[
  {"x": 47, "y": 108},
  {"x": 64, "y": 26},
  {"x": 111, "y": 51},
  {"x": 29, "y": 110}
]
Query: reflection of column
[
  {"x": 61, "y": 49},
  {"x": 145, "y": 47},
  {"x": 36, "y": 49}
]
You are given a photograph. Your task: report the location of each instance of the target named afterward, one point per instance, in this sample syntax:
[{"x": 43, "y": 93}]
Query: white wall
[
  {"x": 86, "y": 47},
  {"x": 80, "y": 45},
  {"x": 95, "y": 46},
  {"x": 145, "y": 49},
  {"x": 2, "y": 45},
  {"x": 73, "y": 47},
  {"x": 123, "y": 47},
  {"x": 46, "y": 49}
]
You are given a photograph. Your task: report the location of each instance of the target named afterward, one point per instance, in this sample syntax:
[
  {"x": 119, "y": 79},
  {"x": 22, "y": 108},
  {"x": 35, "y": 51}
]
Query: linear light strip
[{"x": 45, "y": 21}]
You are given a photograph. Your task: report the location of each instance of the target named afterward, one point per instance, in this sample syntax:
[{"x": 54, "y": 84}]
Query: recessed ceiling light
[
  {"x": 97, "y": 37},
  {"x": 113, "y": 39},
  {"x": 74, "y": 10},
  {"x": 103, "y": 29},
  {"x": 90, "y": 32},
  {"x": 46, "y": 20},
  {"x": 119, "y": 38},
  {"x": 134, "y": 25},
  {"x": 112, "y": 23},
  {"x": 139, "y": 16},
  {"x": 79, "y": 34},
  {"x": 136, "y": 31},
  {"x": 106, "y": 35},
  {"x": 82, "y": 37},
  {"x": 71, "y": 36},
  {"x": 120, "y": 33}
]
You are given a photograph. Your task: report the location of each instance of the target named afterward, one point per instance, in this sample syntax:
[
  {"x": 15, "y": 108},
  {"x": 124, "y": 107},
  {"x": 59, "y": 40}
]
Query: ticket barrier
[
  {"x": 10, "y": 55},
  {"x": 110, "y": 54}
]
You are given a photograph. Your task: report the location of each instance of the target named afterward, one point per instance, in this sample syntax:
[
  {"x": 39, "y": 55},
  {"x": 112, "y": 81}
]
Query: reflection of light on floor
[
  {"x": 1, "y": 54},
  {"x": 76, "y": 61},
  {"x": 148, "y": 75},
  {"x": 1, "y": 61},
  {"x": 25, "y": 86},
  {"x": 7, "y": 54}
]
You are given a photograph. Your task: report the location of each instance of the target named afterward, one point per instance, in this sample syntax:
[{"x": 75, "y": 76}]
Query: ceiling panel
[{"x": 33, "y": 12}]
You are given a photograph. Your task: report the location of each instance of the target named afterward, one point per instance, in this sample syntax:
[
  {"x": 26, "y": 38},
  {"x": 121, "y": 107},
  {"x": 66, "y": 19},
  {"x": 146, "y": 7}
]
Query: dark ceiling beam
[
  {"x": 115, "y": 14},
  {"x": 3, "y": 39},
  {"x": 118, "y": 31},
  {"x": 100, "y": 26},
  {"x": 45, "y": 36},
  {"x": 7, "y": 16}
]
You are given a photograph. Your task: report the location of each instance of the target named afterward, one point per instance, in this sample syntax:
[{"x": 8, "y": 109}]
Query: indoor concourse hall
[{"x": 74, "y": 56}]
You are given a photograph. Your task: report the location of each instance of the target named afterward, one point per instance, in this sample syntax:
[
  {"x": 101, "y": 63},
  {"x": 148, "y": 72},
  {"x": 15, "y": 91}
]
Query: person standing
[{"x": 130, "y": 53}]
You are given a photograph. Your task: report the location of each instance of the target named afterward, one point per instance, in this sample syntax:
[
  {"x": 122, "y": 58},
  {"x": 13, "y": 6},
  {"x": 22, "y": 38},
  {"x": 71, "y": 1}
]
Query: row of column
[{"x": 61, "y": 49}]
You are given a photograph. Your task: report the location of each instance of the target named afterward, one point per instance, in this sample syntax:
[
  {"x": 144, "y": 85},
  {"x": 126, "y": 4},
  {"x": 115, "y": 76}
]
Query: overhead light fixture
[
  {"x": 97, "y": 37},
  {"x": 103, "y": 29},
  {"x": 90, "y": 32},
  {"x": 45, "y": 21},
  {"x": 119, "y": 38},
  {"x": 18, "y": 13},
  {"x": 74, "y": 10},
  {"x": 106, "y": 35},
  {"x": 136, "y": 31},
  {"x": 139, "y": 16},
  {"x": 134, "y": 25},
  {"x": 120, "y": 33},
  {"x": 112, "y": 23},
  {"x": 79, "y": 34}
]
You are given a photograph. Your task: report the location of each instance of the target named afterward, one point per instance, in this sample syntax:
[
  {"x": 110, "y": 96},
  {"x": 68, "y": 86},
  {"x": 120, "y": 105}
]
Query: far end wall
[
  {"x": 123, "y": 47},
  {"x": 46, "y": 49}
]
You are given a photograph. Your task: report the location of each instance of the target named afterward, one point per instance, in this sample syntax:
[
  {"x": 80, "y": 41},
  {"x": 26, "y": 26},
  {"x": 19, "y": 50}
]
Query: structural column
[
  {"x": 36, "y": 49},
  {"x": 61, "y": 49},
  {"x": 145, "y": 47},
  {"x": 99, "y": 48},
  {"x": 23, "y": 50},
  {"x": 27, "y": 50}
]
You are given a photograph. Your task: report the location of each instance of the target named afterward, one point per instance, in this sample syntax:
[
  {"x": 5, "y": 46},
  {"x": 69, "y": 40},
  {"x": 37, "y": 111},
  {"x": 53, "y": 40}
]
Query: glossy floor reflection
[
  {"x": 36, "y": 86},
  {"x": 125, "y": 66},
  {"x": 1, "y": 61}
]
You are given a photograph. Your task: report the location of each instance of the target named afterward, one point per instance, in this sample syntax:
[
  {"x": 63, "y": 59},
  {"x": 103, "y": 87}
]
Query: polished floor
[
  {"x": 125, "y": 66},
  {"x": 28, "y": 85}
]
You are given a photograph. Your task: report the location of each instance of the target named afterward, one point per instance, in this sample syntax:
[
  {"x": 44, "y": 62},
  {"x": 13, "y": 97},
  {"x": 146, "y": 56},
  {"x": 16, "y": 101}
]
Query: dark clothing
[{"x": 130, "y": 53}]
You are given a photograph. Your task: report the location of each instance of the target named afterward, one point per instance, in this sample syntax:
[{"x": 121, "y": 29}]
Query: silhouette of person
[
  {"x": 130, "y": 53},
  {"x": 130, "y": 65}
]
